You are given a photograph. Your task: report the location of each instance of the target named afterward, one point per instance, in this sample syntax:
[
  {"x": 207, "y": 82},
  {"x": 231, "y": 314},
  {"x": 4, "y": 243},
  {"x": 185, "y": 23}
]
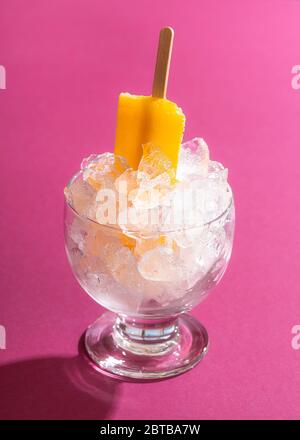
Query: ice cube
[
  {"x": 217, "y": 172},
  {"x": 207, "y": 249},
  {"x": 144, "y": 245},
  {"x": 160, "y": 264},
  {"x": 145, "y": 198},
  {"x": 87, "y": 161},
  {"x": 81, "y": 196},
  {"x": 136, "y": 222},
  {"x": 126, "y": 182},
  {"x": 153, "y": 163},
  {"x": 212, "y": 194},
  {"x": 77, "y": 232},
  {"x": 102, "y": 170},
  {"x": 187, "y": 237},
  {"x": 122, "y": 265},
  {"x": 193, "y": 159},
  {"x": 197, "y": 259},
  {"x": 155, "y": 178},
  {"x": 96, "y": 238}
]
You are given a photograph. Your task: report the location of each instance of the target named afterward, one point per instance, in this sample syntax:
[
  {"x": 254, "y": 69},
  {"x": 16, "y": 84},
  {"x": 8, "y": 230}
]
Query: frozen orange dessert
[{"x": 146, "y": 119}]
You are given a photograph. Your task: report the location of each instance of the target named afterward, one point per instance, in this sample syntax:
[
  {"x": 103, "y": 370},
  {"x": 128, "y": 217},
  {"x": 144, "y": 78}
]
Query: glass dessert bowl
[{"x": 147, "y": 275}]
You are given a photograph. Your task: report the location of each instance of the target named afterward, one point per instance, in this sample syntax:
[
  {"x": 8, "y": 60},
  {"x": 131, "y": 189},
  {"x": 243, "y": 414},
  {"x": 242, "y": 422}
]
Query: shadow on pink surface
[{"x": 55, "y": 388}]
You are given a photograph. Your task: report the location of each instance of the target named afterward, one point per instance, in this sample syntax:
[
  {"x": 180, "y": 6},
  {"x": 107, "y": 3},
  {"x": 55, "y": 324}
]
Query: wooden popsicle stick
[{"x": 163, "y": 59}]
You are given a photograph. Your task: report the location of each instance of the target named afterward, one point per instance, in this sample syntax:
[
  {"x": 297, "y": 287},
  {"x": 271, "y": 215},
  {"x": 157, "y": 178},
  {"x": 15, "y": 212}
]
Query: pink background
[{"x": 66, "y": 62}]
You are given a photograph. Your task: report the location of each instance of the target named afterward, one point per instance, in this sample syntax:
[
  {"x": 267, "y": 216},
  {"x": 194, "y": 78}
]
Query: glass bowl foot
[{"x": 145, "y": 349}]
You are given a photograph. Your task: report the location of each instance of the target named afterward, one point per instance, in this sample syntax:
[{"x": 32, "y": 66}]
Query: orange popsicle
[{"x": 151, "y": 119}]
